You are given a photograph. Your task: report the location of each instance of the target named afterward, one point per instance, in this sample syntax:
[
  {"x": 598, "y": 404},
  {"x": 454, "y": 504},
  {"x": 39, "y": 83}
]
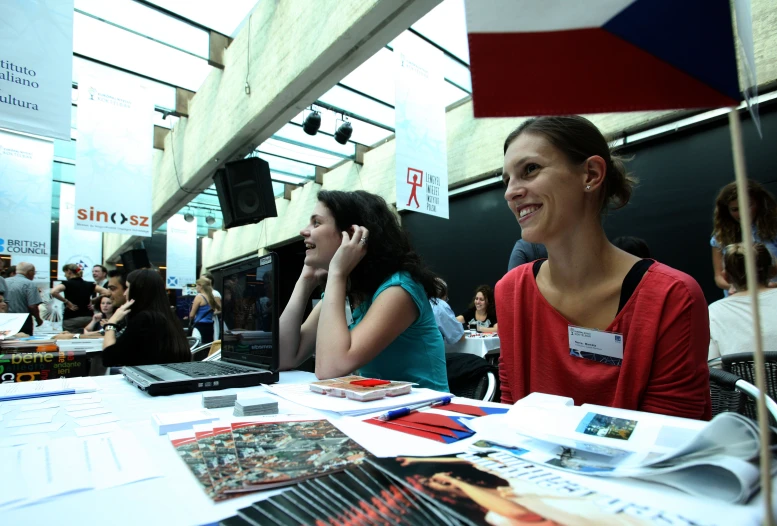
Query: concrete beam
[
  {"x": 295, "y": 58},
  {"x": 217, "y": 44}
]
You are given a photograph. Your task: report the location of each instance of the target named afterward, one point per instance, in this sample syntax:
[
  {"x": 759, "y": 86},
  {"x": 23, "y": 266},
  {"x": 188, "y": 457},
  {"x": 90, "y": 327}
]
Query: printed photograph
[
  {"x": 574, "y": 460},
  {"x": 605, "y": 426}
]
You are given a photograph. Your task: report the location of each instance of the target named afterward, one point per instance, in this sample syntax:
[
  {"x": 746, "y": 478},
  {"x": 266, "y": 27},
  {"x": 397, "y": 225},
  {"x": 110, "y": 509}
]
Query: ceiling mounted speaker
[{"x": 245, "y": 192}]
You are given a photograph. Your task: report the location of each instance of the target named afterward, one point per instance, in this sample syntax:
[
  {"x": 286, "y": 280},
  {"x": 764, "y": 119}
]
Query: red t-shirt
[{"x": 666, "y": 335}]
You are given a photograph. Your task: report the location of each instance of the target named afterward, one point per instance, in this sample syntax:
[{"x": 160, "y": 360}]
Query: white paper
[
  {"x": 83, "y": 401},
  {"x": 95, "y": 420},
  {"x": 12, "y": 489},
  {"x": 97, "y": 430},
  {"x": 40, "y": 428},
  {"x": 89, "y": 412},
  {"x": 11, "y": 324},
  {"x": 30, "y": 421},
  {"x": 84, "y": 407},
  {"x": 30, "y": 415},
  {"x": 38, "y": 407},
  {"x": 42, "y": 388}
]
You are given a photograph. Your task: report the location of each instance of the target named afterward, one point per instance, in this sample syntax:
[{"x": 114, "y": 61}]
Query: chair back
[
  {"x": 193, "y": 342},
  {"x": 742, "y": 365},
  {"x": 732, "y": 393},
  {"x": 470, "y": 376}
]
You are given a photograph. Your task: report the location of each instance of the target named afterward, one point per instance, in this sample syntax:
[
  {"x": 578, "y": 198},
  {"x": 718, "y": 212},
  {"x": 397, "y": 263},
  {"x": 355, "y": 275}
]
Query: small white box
[{"x": 178, "y": 421}]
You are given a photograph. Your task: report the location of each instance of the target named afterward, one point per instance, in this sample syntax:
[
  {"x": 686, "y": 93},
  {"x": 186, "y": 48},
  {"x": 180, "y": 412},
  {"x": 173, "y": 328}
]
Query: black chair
[
  {"x": 730, "y": 393},
  {"x": 471, "y": 376},
  {"x": 742, "y": 365},
  {"x": 200, "y": 352}
]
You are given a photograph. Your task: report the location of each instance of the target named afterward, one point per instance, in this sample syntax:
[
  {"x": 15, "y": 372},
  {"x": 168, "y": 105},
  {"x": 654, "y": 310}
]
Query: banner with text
[
  {"x": 421, "y": 158},
  {"x": 36, "y": 66},
  {"x": 25, "y": 201},
  {"x": 76, "y": 246},
  {"x": 114, "y": 148},
  {"x": 181, "y": 252}
]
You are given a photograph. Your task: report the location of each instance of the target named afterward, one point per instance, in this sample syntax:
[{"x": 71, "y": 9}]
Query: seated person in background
[
  {"x": 153, "y": 333},
  {"x": 372, "y": 273},
  {"x": 482, "y": 311},
  {"x": 450, "y": 328},
  {"x": 633, "y": 245},
  {"x": 78, "y": 294},
  {"x": 561, "y": 177},
  {"x": 731, "y": 319},
  {"x": 525, "y": 252},
  {"x": 103, "y": 310},
  {"x": 3, "y": 304}
]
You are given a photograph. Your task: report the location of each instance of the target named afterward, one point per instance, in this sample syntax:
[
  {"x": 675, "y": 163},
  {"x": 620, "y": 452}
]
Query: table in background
[{"x": 484, "y": 346}]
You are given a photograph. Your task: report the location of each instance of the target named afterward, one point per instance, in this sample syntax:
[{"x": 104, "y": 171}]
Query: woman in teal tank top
[{"x": 375, "y": 316}]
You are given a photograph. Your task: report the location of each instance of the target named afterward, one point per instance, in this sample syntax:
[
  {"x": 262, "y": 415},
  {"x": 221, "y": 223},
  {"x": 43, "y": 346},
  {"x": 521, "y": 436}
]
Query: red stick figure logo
[{"x": 417, "y": 181}]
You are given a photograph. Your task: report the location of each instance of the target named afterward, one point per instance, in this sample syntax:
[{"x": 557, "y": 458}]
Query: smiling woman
[{"x": 592, "y": 322}]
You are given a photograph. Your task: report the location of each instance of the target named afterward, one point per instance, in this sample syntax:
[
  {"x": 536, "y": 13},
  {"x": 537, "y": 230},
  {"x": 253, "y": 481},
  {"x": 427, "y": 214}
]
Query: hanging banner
[
  {"x": 36, "y": 66},
  {"x": 76, "y": 246},
  {"x": 422, "y": 157},
  {"x": 114, "y": 147},
  {"x": 25, "y": 201},
  {"x": 181, "y": 252}
]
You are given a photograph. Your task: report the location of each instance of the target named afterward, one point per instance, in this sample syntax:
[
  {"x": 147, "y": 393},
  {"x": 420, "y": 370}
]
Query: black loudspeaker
[
  {"x": 245, "y": 192},
  {"x": 135, "y": 259}
]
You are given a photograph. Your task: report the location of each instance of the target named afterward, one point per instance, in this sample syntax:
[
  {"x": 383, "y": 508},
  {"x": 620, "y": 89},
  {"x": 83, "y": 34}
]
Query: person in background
[
  {"x": 451, "y": 329},
  {"x": 525, "y": 252},
  {"x": 633, "y": 245},
  {"x": 731, "y": 318},
  {"x": 204, "y": 307},
  {"x": 560, "y": 178},
  {"x": 100, "y": 275},
  {"x": 216, "y": 316},
  {"x": 3, "y": 304},
  {"x": 77, "y": 297},
  {"x": 3, "y": 286},
  {"x": 482, "y": 311},
  {"x": 355, "y": 241},
  {"x": 153, "y": 334},
  {"x": 103, "y": 310},
  {"x": 23, "y": 295},
  {"x": 763, "y": 214}
]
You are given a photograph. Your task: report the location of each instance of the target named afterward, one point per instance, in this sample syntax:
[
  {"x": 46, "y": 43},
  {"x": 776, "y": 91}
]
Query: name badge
[
  {"x": 599, "y": 346},
  {"x": 348, "y": 313}
]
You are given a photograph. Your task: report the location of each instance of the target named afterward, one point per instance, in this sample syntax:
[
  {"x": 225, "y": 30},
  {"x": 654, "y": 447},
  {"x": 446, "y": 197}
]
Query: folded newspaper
[{"x": 717, "y": 459}]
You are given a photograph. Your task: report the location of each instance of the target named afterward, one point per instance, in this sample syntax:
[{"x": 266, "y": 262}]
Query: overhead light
[
  {"x": 210, "y": 220},
  {"x": 312, "y": 123},
  {"x": 188, "y": 217},
  {"x": 343, "y": 132}
]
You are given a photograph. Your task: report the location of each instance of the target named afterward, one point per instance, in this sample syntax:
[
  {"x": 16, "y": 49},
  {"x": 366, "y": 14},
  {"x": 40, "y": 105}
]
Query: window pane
[
  {"x": 279, "y": 164},
  {"x": 305, "y": 155},
  {"x": 375, "y": 76},
  {"x": 319, "y": 140},
  {"x": 446, "y": 26},
  {"x": 117, "y": 47},
  {"x": 347, "y": 100},
  {"x": 363, "y": 132},
  {"x": 163, "y": 96},
  {"x": 147, "y": 21},
  {"x": 224, "y": 18}
]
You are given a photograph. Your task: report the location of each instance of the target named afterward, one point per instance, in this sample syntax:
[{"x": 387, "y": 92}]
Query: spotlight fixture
[
  {"x": 188, "y": 217},
  {"x": 312, "y": 123},
  {"x": 210, "y": 220},
  {"x": 343, "y": 132}
]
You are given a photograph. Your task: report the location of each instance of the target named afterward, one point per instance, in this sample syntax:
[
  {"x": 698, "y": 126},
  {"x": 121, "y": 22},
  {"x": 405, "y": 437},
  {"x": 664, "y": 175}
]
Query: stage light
[
  {"x": 210, "y": 220},
  {"x": 312, "y": 123},
  {"x": 343, "y": 132},
  {"x": 188, "y": 217}
]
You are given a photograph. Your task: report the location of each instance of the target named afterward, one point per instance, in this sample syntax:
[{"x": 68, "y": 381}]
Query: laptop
[{"x": 249, "y": 337}]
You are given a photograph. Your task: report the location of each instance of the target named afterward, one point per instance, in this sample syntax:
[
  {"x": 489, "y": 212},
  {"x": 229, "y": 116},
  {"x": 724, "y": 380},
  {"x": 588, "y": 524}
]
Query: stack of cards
[
  {"x": 256, "y": 407},
  {"x": 213, "y": 401}
]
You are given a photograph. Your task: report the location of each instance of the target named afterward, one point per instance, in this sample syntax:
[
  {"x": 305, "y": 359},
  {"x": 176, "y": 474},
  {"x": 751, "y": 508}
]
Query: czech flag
[{"x": 560, "y": 57}]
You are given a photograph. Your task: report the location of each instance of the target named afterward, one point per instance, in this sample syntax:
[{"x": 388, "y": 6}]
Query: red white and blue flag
[{"x": 555, "y": 57}]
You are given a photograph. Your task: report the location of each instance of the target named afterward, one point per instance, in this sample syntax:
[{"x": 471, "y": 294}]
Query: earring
[{"x": 588, "y": 187}]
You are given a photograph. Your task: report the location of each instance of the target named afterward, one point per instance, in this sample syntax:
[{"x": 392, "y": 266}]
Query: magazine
[{"x": 718, "y": 459}]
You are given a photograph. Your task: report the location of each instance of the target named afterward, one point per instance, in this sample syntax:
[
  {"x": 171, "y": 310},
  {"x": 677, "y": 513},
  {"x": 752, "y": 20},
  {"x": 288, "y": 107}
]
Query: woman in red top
[{"x": 646, "y": 333}]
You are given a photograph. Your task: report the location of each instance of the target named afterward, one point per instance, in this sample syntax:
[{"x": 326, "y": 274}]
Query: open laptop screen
[{"x": 249, "y": 321}]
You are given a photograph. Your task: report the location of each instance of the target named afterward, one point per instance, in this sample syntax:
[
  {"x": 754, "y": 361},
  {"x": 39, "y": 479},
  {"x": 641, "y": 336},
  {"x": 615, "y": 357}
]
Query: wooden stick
[{"x": 745, "y": 222}]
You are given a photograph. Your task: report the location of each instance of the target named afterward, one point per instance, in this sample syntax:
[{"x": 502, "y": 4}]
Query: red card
[
  {"x": 423, "y": 427},
  {"x": 433, "y": 419},
  {"x": 370, "y": 382},
  {"x": 408, "y": 430}
]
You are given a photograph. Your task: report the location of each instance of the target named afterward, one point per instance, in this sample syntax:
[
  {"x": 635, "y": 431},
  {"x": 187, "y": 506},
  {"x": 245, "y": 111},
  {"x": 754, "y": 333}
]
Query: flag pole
[{"x": 745, "y": 222}]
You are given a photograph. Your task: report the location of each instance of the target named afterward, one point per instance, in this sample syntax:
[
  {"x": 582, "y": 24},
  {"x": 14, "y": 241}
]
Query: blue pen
[{"x": 396, "y": 413}]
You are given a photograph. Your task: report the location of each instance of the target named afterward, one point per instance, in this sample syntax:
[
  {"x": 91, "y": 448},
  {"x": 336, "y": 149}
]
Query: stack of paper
[
  {"x": 85, "y": 344},
  {"x": 60, "y": 386},
  {"x": 213, "y": 401},
  {"x": 168, "y": 422},
  {"x": 256, "y": 407},
  {"x": 302, "y": 395}
]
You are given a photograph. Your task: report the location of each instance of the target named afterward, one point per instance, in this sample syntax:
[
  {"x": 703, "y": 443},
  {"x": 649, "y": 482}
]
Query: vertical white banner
[
  {"x": 181, "y": 252},
  {"x": 114, "y": 148},
  {"x": 25, "y": 201},
  {"x": 422, "y": 157},
  {"x": 36, "y": 78},
  {"x": 76, "y": 246}
]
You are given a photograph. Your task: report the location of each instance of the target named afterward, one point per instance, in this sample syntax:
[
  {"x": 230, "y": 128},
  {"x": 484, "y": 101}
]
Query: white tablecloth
[
  {"x": 478, "y": 345},
  {"x": 177, "y": 499}
]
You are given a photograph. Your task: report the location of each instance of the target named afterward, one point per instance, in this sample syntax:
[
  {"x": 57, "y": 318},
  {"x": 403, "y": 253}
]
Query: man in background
[
  {"x": 23, "y": 295},
  {"x": 451, "y": 329},
  {"x": 100, "y": 275},
  {"x": 525, "y": 252}
]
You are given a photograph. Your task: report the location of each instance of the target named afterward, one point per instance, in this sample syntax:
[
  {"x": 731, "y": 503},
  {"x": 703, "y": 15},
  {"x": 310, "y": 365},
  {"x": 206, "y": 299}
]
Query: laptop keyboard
[{"x": 198, "y": 369}]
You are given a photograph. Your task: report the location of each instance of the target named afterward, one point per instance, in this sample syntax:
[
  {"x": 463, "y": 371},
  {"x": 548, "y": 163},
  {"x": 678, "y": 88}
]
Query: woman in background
[
  {"x": 204, "y": 307},
  {"x": 763, "y": 214},
  {"x": 482, "y": 310},
  {"x": 153, "y": 334},
  {"x": 103, "y": 310},
  {"x": 731, "y": 319},
  {"x": 375, "y": 314},
  {"x": 592, "y": 322}
]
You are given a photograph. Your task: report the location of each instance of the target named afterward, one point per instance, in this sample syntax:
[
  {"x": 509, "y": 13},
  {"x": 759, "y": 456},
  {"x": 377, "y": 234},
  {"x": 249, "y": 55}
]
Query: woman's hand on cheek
[
  {"x": 121, "y": 312},
  {"x": 351, "y": 251}
]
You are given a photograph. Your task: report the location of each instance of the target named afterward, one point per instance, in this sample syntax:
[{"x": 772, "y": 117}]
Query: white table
[
  {"x": 483, "y": 346},
  {"x": 177, "y": 499}
]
